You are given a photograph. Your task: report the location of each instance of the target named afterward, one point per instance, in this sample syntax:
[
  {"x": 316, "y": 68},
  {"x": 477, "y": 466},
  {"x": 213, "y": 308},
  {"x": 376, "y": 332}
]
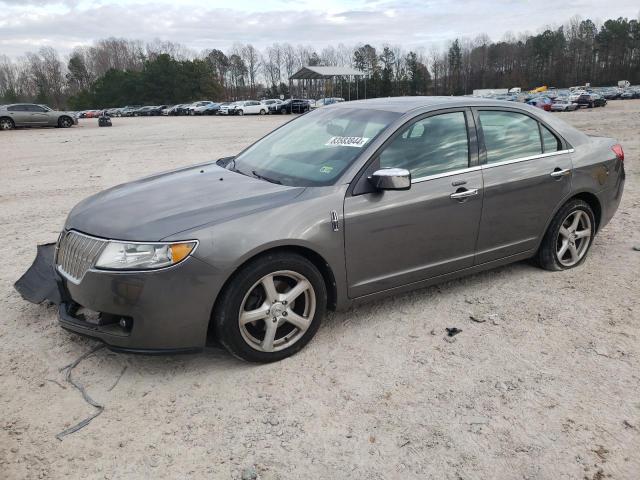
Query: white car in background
[
  {"x": 271, "y": 102},
  {"x": 575, "y": 94},
  {"x": 227, "y": 108},
  {"x": 251, "y": 107}
]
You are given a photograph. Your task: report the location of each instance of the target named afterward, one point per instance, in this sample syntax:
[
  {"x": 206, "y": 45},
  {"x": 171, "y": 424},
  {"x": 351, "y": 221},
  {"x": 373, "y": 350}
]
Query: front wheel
[
  {"x": 568, "y": 238},
  {"x": 6, "y": 124},
  {"x": 262, "y": 112},
  {"x": 240, "y": 112},
  {"x": 65, "y": 122},
  {"x": 271, "y": 308}
]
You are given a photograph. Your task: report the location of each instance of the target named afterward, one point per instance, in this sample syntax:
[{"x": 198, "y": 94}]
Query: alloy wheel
[
  {"x": 6, "y": 124},
  {"x": 277, "y": 311},
  {"x": 574, "y": 237},
  {"x": 65, "y": 123}
]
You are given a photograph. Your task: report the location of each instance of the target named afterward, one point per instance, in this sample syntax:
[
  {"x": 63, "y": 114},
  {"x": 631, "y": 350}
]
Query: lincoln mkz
[{"x": 347, "y": 203}]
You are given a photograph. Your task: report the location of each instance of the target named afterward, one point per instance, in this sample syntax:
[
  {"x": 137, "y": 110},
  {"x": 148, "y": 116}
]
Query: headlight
[{"x": 143, "y": 256}]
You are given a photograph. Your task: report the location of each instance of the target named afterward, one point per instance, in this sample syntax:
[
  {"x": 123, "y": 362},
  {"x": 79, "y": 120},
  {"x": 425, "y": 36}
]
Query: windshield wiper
[{"x": 262, "y": 177}]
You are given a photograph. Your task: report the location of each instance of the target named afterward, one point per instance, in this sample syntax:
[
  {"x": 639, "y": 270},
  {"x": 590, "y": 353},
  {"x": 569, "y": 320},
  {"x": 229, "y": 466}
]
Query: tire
[
  {"x": 240, "y": 112},
  {"x": 262, "y": 112},
  {"x": 65, "y": 122},
  {"x": 7, "y": 124},
  {"x": 245, "y": 293},
  {"x": 557, "y": 249}
]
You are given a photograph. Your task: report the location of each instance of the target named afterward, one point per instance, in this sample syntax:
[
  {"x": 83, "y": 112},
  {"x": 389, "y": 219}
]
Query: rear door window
[{"x": 509, "y": 135}]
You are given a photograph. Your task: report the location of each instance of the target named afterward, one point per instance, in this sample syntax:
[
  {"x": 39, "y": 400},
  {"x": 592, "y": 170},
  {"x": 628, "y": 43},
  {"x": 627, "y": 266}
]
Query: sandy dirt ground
[{"x": 546, "y": 388}]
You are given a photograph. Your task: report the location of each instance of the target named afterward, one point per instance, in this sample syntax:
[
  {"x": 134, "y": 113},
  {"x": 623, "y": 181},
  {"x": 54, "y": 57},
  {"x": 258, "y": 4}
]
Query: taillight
[{"x": 617, "y": 149}]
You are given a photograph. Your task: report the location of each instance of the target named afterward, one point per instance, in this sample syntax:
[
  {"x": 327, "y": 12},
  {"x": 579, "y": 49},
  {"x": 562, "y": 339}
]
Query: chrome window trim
[
  {"x": 530, "y": 157},
  {"x": 446, "y": 174},
  {"x": 489, "y": 165}
]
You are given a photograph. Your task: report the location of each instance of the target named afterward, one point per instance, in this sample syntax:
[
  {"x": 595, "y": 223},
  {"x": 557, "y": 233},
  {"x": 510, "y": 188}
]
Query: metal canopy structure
[
  {"x": 315, "y": 80},
  {"x": 325, "y": 73}
]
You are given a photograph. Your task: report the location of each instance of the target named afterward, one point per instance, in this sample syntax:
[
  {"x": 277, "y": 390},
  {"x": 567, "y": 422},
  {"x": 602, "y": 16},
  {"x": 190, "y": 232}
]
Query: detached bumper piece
[{"x": 39, "y": 283}]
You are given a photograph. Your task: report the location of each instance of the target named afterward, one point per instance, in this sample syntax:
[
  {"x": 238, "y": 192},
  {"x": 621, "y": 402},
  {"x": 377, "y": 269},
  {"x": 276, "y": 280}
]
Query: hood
[{"x": 156, "y": 207}]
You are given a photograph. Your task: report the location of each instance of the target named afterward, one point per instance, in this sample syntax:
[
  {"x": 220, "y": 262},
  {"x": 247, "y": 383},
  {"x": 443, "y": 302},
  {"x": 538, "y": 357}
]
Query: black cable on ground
[{"x": 85, "y": 395}]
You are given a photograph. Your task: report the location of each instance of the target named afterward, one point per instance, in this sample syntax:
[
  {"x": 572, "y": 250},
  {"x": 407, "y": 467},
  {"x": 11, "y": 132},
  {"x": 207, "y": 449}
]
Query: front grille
[{"x": 77, "y": 253}]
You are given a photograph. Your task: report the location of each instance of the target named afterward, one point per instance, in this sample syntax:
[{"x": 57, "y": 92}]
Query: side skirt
[{"x": 443, "y": 278}]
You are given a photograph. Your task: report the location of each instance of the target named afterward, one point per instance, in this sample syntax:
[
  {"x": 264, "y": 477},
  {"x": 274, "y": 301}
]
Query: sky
[{"x": 27, "y": 25}]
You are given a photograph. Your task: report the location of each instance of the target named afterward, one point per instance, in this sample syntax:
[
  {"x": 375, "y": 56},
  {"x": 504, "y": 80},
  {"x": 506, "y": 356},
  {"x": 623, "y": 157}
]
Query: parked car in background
[
  {"x": 34, "y": 115},
  {"x": 629, "y": 94},
  {"x": 590, "y": 100},
  {"x": 129, "y": 110},
  {"x": 322, "y": 102},
  {"x": 149, "y": 111},
  {"x": 205, "y": 108},
  {"x": 251, "y": 107},
  {"x": 543, "y": 103},
  {"x": 227, "y": 108},
  {"x": 351, "y": 202},
  {"x": 563, "y": 105},
  {"x": 166, "y": 110},
  {"x": 295, "y": 105},
  {"x": 271, "y": 102},
  {"x": 192, "y": 107}
]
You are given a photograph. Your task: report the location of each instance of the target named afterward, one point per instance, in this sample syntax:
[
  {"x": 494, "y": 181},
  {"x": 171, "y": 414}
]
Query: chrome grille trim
[{"x": 77, "y": 254}]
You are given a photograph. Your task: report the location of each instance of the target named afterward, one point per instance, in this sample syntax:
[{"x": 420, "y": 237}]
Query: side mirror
[{"x": 391, "y": 179}]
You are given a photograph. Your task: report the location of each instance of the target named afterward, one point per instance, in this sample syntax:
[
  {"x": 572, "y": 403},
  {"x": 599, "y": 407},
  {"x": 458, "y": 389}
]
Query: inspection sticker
[
  {"x": 357, "y": 142},
  {"x": 326, "y": 169}
]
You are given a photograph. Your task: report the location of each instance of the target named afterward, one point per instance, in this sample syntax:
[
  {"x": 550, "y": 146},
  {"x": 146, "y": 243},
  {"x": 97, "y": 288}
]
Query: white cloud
[{"x": 28, "y": 24}]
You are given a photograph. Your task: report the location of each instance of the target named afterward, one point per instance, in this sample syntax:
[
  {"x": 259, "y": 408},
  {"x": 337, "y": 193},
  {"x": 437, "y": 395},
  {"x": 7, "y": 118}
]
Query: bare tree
[{"x": 251, "y": 58}]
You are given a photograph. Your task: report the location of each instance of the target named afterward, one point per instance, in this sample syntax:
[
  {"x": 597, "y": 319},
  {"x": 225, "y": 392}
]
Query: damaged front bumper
[{"x": 164, "y": 311}]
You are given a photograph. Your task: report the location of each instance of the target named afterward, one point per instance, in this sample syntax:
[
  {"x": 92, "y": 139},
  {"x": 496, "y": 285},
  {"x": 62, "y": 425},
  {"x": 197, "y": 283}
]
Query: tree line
[{"x": 115, "y": 72}]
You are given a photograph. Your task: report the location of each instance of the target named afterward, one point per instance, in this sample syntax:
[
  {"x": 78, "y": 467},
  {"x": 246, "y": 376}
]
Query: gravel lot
[{"x": 546, "y": 388}]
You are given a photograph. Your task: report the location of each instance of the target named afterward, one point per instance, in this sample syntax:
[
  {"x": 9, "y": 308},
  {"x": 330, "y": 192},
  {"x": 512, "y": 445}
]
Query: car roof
[{"x": 406, "y": 104}]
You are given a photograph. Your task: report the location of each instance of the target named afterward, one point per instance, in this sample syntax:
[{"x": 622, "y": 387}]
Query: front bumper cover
[{"x": 166, "y": 311}]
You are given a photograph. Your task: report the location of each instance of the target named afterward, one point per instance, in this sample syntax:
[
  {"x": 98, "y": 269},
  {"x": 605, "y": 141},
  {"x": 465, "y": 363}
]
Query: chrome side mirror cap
[{"x": 391, "y": 179}]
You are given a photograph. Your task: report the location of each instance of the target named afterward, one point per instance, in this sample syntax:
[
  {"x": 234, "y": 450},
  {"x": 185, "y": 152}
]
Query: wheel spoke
[
  {"x": 269, "y": 336},
  {"x": 564, "y": 232},
  {"x": 576, "y": 221},
  {"x": 583, "y": 233},
  {"x": 563, "y": 249},
  {"x": 249, "y": 316},
  {"x": 574, "y": 253},
  {"x": 296, "y": 291},
  {"x": 297, "y": 320},
  {"x": 270, "y": 288}
]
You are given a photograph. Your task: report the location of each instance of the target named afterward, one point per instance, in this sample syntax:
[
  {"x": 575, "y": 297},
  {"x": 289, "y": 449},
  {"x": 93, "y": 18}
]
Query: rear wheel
[
  {"x": 568, "y": 238},
  {"x": 262, "y": 112},
  {"x": 271, "y": 308},
  {"x": 6, "y": 124}
]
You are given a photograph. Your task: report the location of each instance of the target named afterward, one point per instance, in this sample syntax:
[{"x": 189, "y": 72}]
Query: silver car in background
[
  {"x": 345, "y": 204},
  {"x": 33, "y": 115}
]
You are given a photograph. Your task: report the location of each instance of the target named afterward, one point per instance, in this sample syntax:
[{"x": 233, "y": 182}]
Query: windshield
[{"x": 314, "y": 149}]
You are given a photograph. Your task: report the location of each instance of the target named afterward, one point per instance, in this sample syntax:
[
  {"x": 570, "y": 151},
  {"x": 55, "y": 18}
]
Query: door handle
[
  {"x": 560, "y": 173},
  {"x": 464, "y": 193}
]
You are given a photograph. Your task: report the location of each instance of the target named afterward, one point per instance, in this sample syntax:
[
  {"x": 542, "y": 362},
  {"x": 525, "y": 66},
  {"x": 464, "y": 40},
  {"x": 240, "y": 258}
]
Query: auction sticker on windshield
[{"x": 357, "y": 142}]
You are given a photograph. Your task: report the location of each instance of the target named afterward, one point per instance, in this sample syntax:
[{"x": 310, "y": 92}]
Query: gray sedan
[
  {"x": 32, "y": 115},
  {"x": 348, "y": 203}
]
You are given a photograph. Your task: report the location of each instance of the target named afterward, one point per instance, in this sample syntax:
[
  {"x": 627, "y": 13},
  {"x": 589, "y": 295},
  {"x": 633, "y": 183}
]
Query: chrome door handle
[
  {"x": 560, "y": 173},
  {"x": 464, "y": 194}
]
